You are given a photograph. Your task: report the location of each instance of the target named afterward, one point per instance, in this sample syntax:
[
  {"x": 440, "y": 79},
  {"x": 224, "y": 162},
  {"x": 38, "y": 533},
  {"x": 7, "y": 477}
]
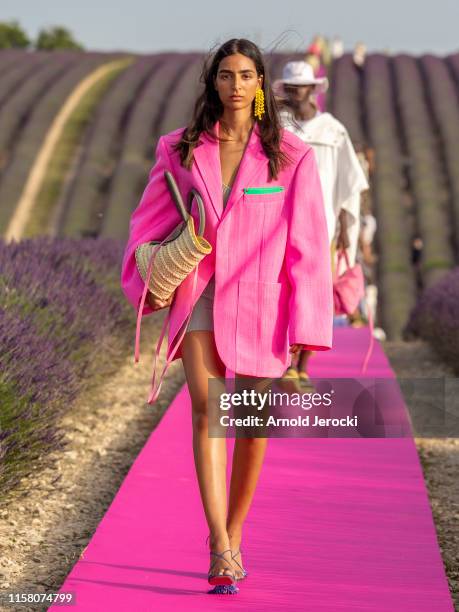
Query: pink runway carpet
[{"x": 336, "y": 524}]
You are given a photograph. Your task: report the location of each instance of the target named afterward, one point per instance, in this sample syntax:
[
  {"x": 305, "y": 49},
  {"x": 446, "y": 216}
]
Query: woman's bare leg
[
  {"x": 303, "y": 361},
  {"x": 201, "y": 362},
  {"x": 248, "y": 459}
]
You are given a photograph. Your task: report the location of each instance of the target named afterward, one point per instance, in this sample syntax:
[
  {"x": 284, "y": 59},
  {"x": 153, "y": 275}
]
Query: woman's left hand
[
  {"x": 342, "y": 241},
  {"x": 295, "y": 348}
]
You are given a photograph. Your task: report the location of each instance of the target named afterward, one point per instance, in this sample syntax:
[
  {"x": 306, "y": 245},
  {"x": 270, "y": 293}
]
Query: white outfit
[{"x": 341, "y": 175}]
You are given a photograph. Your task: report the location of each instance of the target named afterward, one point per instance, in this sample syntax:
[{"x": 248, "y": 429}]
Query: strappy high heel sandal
[
  {"x": 244, "y": 572},
  {"x": 230, "y": 588},
  {"x": 215, "y": 579},
  {"x": 221, "y": 579}
]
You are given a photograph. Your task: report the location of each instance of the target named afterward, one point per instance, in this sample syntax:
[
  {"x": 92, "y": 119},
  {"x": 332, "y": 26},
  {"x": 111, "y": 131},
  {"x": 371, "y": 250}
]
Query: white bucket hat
[{"x": 300, "y": 73}]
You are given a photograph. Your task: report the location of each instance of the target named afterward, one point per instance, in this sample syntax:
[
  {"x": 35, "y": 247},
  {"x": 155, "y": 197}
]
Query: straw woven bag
[
  {"x": 175, "y": 258},
  {"x": 177, "y": 255}
]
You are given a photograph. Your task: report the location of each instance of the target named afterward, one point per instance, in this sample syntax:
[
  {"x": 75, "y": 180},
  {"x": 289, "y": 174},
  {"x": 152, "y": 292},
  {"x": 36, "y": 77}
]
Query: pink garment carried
[{"x": 348, "y": 290}]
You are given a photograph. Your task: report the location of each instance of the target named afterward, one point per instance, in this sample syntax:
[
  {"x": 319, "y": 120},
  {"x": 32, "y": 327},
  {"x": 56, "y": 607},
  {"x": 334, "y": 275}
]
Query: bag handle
[
  {"x": 202, "y": 215},
  {"x": 178, "y": 201},
  {"x": 339, "y": 255},
  {"x": 372, "y": 340},
  {"x": 343, "y": 253},
  {"x": 176, "y": 195}
]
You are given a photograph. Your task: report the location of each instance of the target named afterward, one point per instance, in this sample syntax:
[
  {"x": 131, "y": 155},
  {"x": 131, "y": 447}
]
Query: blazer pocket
[{"x": 262, "y": 322}]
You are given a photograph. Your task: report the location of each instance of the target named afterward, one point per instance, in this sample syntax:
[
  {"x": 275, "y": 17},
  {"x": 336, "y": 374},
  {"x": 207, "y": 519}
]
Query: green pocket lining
[{"x": 254, "y": 190}]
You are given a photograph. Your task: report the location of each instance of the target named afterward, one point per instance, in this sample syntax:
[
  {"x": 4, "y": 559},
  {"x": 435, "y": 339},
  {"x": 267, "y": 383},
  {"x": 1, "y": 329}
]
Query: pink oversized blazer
[{"x": 271, "y": 257}]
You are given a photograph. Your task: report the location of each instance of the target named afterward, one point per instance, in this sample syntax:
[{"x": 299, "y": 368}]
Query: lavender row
[
  {"x": 20, "y": 103},
  {"x": 427, "y": 175},
  {"x": 8, "y": 59},
  {"x": 395, "y": 274},
  {"x": 23, "y": 69},
  {"x": 142, "y": 132},
  {"x": 84, "y": 206},
  {"x": 445, "y": 111},
  {"x": 345, "y": 96},
  {"x": 453, "y": 65}
]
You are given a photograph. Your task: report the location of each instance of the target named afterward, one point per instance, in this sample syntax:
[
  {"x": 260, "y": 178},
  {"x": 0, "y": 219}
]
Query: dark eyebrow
[{"x": 232, "y": 72}]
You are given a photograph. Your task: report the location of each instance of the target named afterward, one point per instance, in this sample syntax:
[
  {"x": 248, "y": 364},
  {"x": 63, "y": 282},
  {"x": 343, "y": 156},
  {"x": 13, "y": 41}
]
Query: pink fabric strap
[
  {"x": 372, "y": 340},
  {"x": 341, "y": 253},
  {"x": 155, "y": 390},
  {"x": 154, "y": 393}
]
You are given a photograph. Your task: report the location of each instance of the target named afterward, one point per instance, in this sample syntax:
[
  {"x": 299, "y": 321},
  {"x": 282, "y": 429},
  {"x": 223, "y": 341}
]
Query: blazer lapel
[{"x": 207, "y": 159}]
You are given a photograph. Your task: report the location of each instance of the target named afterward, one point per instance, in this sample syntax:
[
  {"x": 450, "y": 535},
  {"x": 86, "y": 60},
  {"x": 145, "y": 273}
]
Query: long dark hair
[{"x": 208, "y": 108}]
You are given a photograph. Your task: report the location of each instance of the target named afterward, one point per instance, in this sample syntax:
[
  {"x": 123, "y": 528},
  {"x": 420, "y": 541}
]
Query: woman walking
[
  {"x": 341, "y": 174},
  {"x": 263, "y": 292}
]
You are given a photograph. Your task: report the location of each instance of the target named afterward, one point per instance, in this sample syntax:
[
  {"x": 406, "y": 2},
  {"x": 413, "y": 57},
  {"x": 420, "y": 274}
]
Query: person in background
[
  {"x": 416, "y": 259},
  {"x": 342, "y": 177},
  {"x": 359, "y": 55},
  {"x": 336, "y": 47},
  {"x": 325, "y": 51},
  {"x": 368, "y": 224},
  {"x": 365, "y": 254}
]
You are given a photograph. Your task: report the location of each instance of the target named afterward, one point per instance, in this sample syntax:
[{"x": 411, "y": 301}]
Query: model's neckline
[{"x": 236, "y": 170}]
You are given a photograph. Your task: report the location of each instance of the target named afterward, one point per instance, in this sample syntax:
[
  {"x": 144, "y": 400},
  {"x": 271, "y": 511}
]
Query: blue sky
[{"x": 148, "y": 26}]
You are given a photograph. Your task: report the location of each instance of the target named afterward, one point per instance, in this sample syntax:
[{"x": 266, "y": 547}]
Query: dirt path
[{"x": 43, "y": 534}]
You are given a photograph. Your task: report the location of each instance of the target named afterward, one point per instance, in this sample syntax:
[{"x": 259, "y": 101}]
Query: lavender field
[{"x": 59, "y": 307}]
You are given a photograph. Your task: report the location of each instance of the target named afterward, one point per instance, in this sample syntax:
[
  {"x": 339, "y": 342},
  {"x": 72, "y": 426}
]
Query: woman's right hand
[{"x": 156, "y": 303}]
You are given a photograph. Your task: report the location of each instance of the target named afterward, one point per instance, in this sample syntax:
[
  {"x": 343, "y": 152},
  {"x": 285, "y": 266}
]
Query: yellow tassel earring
[{"x": 259, "y": 103}]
